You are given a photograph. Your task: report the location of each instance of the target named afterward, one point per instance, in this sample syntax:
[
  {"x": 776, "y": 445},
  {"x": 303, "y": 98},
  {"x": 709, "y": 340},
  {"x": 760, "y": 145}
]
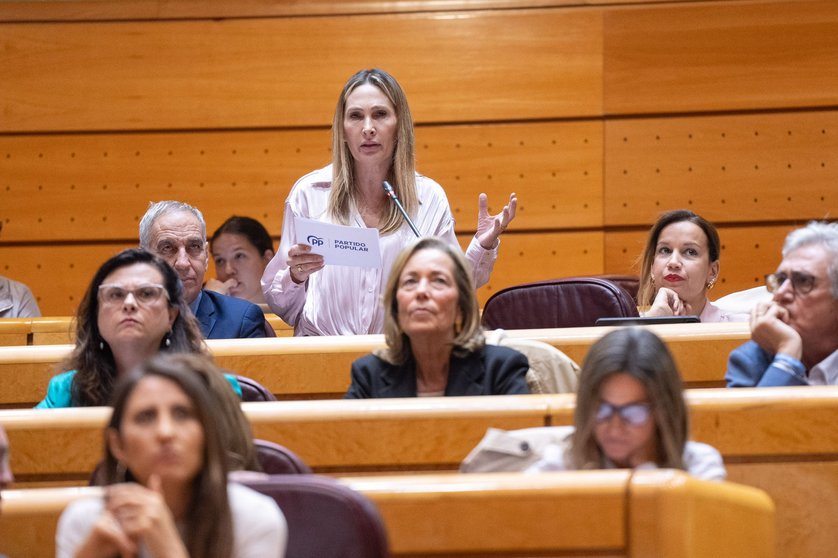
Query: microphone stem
[{"x": 392, "y": 194}]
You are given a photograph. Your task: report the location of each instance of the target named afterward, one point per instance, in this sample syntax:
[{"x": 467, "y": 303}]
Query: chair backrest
[
  {"x": 631, "y": 283},
  {"x": 253, "y": 390},
  {"x": 568, "y": 302},
  {"x": 325, "y": 518},
  {"x": 279, "y": 460}
]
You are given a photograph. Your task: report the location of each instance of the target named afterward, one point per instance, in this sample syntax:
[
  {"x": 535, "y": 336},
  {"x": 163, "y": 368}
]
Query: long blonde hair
[{"x": 402, "y": 173}]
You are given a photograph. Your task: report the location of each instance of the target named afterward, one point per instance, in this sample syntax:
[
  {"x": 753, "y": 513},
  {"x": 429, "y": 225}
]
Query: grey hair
[
  {"x": 817, "y": 232},
  {"x": 157, "y": 210}
]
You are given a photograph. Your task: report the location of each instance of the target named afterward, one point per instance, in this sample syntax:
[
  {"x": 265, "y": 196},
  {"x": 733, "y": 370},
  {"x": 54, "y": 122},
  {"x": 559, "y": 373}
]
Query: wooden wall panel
[
  {"x": 94, "y": 186},
  {"x": 720, "y": 56},
  {"x": 755, "y": 167},
  {"x": 96, "y": 10},
  {"x": 554, "y": 167},
  {"x": 58, "y": 275},
  {"x": 538, "y": 256},
  {"x": 506, "y": 64},
  {"x": 748, "y": 254}
]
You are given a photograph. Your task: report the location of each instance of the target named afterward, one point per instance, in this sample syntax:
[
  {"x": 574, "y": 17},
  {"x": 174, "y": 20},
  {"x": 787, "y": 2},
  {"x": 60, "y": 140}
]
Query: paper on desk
[{"x": 340, "y": 245}]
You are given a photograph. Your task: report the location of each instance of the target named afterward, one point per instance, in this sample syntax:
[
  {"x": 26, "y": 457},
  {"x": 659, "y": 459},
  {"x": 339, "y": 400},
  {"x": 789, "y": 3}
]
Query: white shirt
[
  {"x": 343, "y": 300},
  {"x": 824, "y": 373},
  {"x": 713, "y": 314},
  {"x": 259, "y": 528},
  {"x": 700, "y": 460}
]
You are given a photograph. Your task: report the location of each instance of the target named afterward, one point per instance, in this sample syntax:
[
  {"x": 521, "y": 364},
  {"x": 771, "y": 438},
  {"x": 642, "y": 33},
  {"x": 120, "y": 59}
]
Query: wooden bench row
[
  {"x": 593, "y": 513},
  {"x": 319, "y": 367},
  {"x": 60, "y": 330},
  {"x": 782, "y": 440}
]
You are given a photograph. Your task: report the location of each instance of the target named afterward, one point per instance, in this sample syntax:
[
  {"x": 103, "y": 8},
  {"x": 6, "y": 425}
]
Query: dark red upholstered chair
[
  {"x": 325, "y": 518},
  {"x": 253, "y": 390},
  {"x": 631, "y": 283},
  {"x": 568, "y": 302},
  {"x": 279, "y": 460}
]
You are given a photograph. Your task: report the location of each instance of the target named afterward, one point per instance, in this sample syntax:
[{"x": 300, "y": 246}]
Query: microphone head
[{"x": 387, "y": 187}]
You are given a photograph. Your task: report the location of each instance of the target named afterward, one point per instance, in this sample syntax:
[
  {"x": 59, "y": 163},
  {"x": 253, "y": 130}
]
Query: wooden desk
[
  {"x": 318, "y": 367},
  {"x": 593, "y": 513}
]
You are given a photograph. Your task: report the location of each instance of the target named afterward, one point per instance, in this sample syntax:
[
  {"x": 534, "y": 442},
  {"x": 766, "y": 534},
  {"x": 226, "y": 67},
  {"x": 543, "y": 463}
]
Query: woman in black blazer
[{"x": 435, "y": 345}]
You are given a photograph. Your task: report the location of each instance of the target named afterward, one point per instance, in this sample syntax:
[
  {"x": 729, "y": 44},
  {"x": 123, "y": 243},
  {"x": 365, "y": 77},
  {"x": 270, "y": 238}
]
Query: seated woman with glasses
[
  {"x": 794, "y": 336},
  {"x": 133, "y": 308},
  {"x": 630, "y": 413}
]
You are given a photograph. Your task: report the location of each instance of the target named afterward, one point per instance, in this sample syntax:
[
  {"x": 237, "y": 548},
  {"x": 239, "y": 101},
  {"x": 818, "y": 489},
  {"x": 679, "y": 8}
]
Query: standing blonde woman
[{"x": 372, "y": 141}]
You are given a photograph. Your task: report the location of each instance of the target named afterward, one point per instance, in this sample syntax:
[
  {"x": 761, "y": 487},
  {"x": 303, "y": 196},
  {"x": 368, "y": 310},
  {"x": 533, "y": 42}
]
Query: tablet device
[{"x": 647, "y": 320}]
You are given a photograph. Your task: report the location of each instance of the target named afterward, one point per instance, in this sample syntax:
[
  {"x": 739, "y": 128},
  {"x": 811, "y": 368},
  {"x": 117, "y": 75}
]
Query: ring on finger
[{"x": 299, "y": 268}]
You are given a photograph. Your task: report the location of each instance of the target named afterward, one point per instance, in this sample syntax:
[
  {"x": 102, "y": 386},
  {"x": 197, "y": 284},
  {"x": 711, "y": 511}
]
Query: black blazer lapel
[
  {"x": 398, "y": 381},
  {"x": 465, "y": 375}
]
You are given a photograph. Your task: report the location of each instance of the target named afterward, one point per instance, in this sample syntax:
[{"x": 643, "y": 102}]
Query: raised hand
[
  {"x": 489, "y": 227},
  {"x": 144, "y": 516}
]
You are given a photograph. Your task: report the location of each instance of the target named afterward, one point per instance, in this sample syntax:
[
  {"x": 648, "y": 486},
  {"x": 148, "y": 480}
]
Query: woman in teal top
[{"x": 133, "y": 308}]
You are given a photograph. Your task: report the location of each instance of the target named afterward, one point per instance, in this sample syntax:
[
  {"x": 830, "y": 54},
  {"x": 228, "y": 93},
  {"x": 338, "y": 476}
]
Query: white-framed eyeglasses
[
  {"x": 635, "y": 414},
  {"x": 113, "y": 295}
]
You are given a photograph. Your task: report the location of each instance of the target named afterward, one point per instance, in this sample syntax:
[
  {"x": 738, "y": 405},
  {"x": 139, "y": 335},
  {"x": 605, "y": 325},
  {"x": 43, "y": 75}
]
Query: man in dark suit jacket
[{"x": 177, "y": 233}]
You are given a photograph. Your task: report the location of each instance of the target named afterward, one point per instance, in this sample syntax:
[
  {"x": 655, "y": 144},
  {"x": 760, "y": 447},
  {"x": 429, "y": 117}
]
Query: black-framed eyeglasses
[
  {"x": 801, "y": 283},
  {"x": 635, "y": 414},
  {"x": 114, "y": 295}
]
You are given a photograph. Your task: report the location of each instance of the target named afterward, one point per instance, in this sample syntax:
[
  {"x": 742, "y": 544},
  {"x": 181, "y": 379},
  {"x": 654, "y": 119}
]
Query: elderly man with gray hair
[
  {"x": 177, "y": 233},
  {"x": 795, "y": 335}
]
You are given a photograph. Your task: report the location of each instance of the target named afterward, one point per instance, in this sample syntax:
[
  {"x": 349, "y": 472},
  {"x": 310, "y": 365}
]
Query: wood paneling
[
  {"x": 95, "y": 186},
  {"x": 87, "y": 10},
  {"x": 748, "y": 254},
  {"x": 554, "y": 167},
  {"x": 537, "y": 256},
  {"x": 648, "y": 513},
  {"x": 57, "y": 274},
  {"x": 804, "y": 495},
  {"x": 720, "y": 56},
  {"x": 756, "y": 167},
  {"x": 509, "y": 64},
  {"x": 318, "y": 367}
]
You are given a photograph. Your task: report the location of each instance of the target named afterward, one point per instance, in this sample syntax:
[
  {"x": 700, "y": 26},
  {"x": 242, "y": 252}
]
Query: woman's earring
[
  {"x": 101, "y": 345},
  {"x": 711, "y": 283},
  {"x": 168, "y": 341}
]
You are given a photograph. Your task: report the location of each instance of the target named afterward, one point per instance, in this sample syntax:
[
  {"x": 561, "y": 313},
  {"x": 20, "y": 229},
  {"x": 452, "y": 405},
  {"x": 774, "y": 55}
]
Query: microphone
[{"x": 392, "y": 195}]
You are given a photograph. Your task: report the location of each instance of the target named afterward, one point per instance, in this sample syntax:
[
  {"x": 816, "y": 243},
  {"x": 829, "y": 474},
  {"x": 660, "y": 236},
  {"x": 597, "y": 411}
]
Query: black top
[{"x": 491, "y": 370}]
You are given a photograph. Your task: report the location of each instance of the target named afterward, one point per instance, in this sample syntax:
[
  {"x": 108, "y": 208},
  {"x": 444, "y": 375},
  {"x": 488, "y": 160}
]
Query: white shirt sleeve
[
  {"x": 75, "y": 524},
  {"x": 259, "y": 528}
]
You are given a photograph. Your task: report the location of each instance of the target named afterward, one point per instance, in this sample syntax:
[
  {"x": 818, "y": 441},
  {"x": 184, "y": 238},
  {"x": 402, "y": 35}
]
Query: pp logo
[{"x": 314, "y": 240}]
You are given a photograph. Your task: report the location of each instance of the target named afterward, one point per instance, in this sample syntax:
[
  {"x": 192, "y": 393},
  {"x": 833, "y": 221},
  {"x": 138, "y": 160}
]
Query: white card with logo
[{"x": 340, "y": 245}]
